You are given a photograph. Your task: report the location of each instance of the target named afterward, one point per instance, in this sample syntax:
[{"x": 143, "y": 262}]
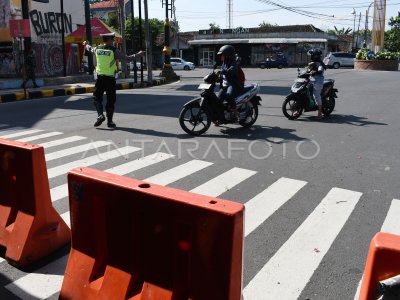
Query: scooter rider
[
  {"x": 316, "y": 68},
  {"x": 232, "y": 86}
]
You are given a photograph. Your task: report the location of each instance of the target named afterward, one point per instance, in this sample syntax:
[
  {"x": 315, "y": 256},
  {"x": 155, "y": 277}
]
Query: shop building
[{"x": 257, "y": 44}]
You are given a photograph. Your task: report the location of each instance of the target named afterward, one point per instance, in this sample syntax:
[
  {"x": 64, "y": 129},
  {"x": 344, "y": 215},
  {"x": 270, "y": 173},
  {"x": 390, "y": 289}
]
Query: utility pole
[
  {"x": 63, "y": 37},
  {"x": 133, "y": 41},
  {"x": 89, "y": 35},
  {"x": 140, "y": 41},
  {"x": 366, "y": 24},
  {"x": 123, "y": 46},
  {"x": 149, "y": 52},
  {"x": 167, "y": 70},
  {"x": 358, "y": 30}
]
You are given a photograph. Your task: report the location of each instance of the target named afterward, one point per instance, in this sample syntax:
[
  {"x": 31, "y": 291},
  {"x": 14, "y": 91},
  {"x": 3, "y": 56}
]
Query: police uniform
[{"x": 106, "y": 69}]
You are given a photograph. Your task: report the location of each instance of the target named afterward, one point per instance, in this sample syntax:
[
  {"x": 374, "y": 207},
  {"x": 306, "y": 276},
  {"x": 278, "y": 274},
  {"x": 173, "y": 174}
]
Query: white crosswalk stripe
[
  {"x": 286, "y": 274},
  {"x": 262, "y": 206},
  {"x": 178, "y": 172},
  {"x": 20, "y": 133},
  {"x": 75, "y": 150},
  {"x": 40, "y": 136},
  {"x": 223, "y": 182},
  {"x": 91, "y": 160},
  {"x": 12, "y": 129},
  {"x": 63, "y": 141},
  {"x": 3, "y": 125}
]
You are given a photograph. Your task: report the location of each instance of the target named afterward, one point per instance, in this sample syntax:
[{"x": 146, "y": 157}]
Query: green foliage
[
  {"x": 156, "y": 27},
  {"x": 113, "y": 21},
  {"x": 392, "y": 36},
  {"x": 362, "y": 54},
  {"x": 341, "y": 31},
  {"x": 214, "y": 26},
  {"x": 266, "y": 25}
]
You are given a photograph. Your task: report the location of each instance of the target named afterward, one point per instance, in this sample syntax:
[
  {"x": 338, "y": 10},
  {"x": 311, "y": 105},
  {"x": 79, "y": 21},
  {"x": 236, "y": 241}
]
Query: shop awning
[
  {"x": 98, "y": 28},
  {"x": 258, "y": 41}
]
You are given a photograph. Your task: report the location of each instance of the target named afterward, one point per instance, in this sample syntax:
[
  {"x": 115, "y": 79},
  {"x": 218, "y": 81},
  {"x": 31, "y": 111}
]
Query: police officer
[{"x": 106, "y": 69}]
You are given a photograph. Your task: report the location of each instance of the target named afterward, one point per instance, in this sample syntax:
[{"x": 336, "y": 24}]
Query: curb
[{"x": 32, "y": 94}]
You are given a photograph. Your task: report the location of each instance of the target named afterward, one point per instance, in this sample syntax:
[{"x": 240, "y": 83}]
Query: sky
[{"x": 193, "y": 15}]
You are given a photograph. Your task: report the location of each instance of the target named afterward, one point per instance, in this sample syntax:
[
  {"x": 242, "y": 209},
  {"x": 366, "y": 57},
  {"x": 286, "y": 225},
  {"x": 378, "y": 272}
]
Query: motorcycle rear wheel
[
  {"x": 292, "y": 109},
  {"x": 252, "y": 115},
  {"x": 328, "y": 105},
  {"x": 194, "y": 120}
]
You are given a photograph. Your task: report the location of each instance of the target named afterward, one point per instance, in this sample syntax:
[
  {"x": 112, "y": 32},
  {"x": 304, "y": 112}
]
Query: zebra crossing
[{"x": 283, "y": 276}]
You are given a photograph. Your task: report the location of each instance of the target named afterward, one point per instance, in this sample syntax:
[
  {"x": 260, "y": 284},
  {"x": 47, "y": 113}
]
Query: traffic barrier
[
  {"x": 383, "y": 262},
  {"x": 30, "y": 228},
  {"x": 139, "y": 241}
]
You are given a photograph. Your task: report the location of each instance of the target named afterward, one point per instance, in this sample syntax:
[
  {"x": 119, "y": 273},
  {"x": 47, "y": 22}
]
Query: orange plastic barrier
[
  {"x": 30, "y": 228},
  {"x": 383, "y": 262},
  {"x": 138, "y": 241}
]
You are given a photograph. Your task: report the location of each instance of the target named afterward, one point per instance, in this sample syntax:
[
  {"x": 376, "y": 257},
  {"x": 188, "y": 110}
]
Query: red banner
[{"x": 20, "y": 28}]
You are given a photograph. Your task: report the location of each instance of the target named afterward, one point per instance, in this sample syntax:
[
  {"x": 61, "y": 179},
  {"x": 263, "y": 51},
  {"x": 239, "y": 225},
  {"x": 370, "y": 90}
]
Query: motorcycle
[
  {"x": 197, "y": 114},
  {"x": 301, "y": 97}
]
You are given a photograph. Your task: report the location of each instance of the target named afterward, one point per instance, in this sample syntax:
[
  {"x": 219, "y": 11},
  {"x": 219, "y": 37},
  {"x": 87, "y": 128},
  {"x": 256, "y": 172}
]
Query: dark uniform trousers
[{"x": 105, "y": 84}]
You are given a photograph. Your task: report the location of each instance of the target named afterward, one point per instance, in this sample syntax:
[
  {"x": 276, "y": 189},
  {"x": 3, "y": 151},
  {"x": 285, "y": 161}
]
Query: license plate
[{"x": 204, "y": 86}]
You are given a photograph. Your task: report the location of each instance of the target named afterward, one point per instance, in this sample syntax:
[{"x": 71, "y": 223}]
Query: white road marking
[
  {"x": 91, "y": 160},
  {"x": 77, "y": 149},
  {"x": 59, "y": 142},
  {"x": 20, "y": 133},
  {"x": 262, "y": 206},
  {"x": 286, "y": 274},
  {"x": 40, "y": 136},
  {"x": 223, "y": 182},
  {"x": 178, "y": 172}
]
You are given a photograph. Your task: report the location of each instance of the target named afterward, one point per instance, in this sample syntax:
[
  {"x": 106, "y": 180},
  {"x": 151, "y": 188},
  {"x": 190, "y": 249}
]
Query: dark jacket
[{"x": 231, "y": 76}]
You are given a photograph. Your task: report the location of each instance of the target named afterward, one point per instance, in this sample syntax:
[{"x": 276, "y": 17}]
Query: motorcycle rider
[
  {"x": 316, "y": 68},
  {"x": 231, "y": 83}
]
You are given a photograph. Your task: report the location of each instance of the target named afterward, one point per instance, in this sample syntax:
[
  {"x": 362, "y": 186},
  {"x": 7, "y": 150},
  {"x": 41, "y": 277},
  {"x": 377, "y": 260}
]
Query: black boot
[
  {"x": 110, "y": 123},
  {"x": 99, "y": 121}
]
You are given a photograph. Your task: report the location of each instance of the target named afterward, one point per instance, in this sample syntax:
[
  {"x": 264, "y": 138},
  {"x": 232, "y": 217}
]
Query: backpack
[{"x": 242, "y": 77}]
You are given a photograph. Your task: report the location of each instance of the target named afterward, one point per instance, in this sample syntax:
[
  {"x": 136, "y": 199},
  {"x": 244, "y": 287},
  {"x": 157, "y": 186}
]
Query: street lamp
[
  {"x": 366, "y": 24},
  {"x": 354, "y": 27}
]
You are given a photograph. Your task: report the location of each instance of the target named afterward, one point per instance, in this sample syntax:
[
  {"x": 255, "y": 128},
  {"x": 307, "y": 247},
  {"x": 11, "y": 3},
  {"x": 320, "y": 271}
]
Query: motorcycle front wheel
[
  {"x": 195, "y": 120},
  {"x": 291, "y": 108},
  {"x": 251, "y": 115},
  {"x": 328, "y": 105}
]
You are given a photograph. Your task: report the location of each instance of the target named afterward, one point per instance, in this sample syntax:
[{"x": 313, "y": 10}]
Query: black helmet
[
  {"x": 227, "y": 50},
  {"x": 315, "y": 53}
]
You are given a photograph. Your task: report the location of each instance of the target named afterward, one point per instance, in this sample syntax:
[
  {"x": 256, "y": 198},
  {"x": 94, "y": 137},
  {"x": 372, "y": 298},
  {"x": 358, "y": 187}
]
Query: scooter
[
  {"x": 197, "y": 114},
  {"x": 301, "y": 98}
]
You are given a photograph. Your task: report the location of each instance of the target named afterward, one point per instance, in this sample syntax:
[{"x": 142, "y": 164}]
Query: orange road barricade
[
  {"x": 30, "y": 228},
  {"x": 139, "y": 241},
  {"x": 383, "y": 262}
]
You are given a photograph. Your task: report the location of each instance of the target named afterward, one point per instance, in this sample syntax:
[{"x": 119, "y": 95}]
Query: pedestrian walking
[
  {"x": 106, "y": 69},
  {"x": 30, "y": 66}
]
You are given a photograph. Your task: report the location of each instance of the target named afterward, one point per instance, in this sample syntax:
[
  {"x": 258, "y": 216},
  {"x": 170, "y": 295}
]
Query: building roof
[
  {"x": 258, "y": 41},
  {"x": 106, "y": 4}
]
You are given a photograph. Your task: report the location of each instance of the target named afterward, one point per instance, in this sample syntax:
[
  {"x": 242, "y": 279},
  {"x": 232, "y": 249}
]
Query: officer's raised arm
[{"x": 119, "y": 55}]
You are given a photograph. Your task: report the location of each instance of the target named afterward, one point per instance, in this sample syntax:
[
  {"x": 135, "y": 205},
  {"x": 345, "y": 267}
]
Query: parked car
[
  {"x": 279, "y": 62},
  {"x": 181, "y": 64},
  {"x": 339, "y": 59}
]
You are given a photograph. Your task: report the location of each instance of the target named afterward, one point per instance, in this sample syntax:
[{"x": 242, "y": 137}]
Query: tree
[
  {"x": 341, "y": 31},
  {"x": 156, "y": 27},
  {"x": 392, "y": 36},
  {"x": 113, "y": 21},
  {"x": 266, "y": 25},
  {"x": 214, "y": 26}
]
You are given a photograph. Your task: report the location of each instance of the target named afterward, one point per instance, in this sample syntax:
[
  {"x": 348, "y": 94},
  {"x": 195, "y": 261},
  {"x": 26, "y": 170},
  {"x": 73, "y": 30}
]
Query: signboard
[{"x": 20, "y": 28}]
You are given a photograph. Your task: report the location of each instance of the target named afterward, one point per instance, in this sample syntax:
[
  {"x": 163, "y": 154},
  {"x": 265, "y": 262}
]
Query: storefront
[
  {"x": 45, "y": 26},
  {"x": 257, "y": 44}
]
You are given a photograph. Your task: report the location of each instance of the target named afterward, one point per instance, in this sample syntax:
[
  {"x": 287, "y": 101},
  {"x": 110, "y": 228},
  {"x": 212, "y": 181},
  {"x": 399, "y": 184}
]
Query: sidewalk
[{"x": 85, "y": 85}]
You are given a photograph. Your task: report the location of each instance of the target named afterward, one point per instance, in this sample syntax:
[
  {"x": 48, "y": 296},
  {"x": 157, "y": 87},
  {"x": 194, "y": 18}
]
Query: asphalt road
[{"x": 336, "y": 179}]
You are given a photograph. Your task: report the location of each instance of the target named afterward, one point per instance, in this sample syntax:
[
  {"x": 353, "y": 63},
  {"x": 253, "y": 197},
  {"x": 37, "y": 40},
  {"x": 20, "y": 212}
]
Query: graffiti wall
[{"x": 46, "y": 23}]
